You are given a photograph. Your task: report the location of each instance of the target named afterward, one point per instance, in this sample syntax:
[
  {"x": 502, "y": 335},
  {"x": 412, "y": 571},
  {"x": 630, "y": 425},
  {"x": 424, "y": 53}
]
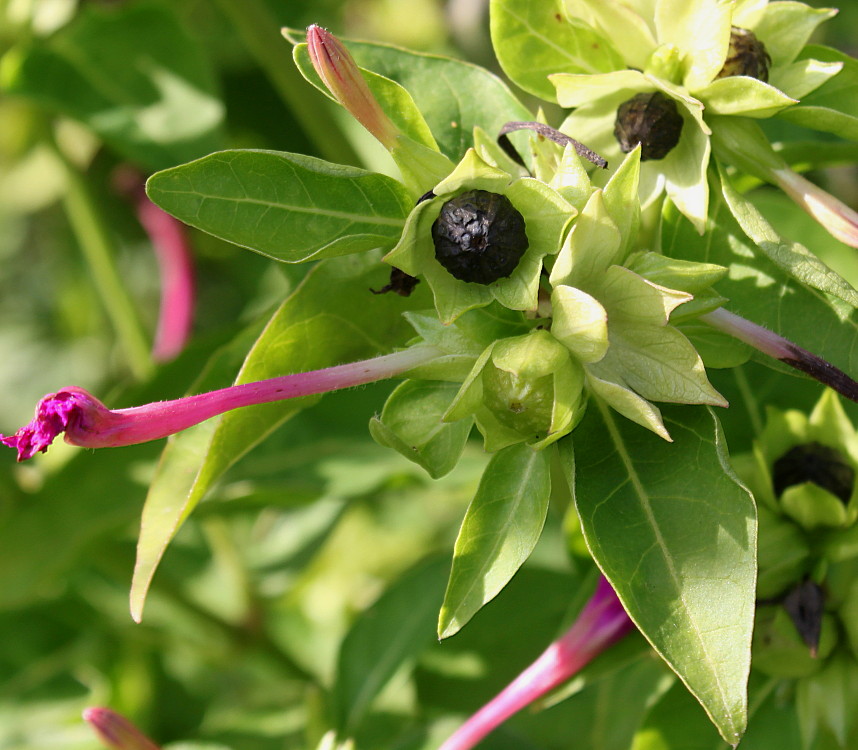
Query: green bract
[
  {"x": 522, "y": 389},
  {"x": 678, "y": 48},
  {"x": 613, "y": 310},
  {"x": 546, "y": 214},
  {"x": 807, "y": 542}
]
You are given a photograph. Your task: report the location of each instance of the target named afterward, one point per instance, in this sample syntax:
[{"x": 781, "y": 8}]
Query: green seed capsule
[{"x": 652, "y": 120}]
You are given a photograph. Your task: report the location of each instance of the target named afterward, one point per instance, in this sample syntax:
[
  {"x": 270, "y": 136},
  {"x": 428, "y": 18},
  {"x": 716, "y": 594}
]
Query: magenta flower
[
  {"x": 88, "y": 423},
  {"x": 343, "y": 78},
  {"x": 116, "y": 731},
  {"x": 602, "y": 622}
]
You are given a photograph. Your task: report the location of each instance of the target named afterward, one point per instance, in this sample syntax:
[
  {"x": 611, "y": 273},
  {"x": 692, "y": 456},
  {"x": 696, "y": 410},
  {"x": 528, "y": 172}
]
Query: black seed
[
  {"x": 400, "y": 282},
  {"x": 746, "y": 56},
  {"x": 479, "y": 237},
  {"x": 805, "y": 605},
  {"x": 813, "y": 462},
  {"x": 652, "y": 120}
]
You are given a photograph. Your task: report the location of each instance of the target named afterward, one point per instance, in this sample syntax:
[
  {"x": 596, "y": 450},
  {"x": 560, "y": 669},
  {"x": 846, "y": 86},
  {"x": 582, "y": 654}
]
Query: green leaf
[
  {"x": 329, "y": 319},
  {"x": 410, "y": 423},
  {"x": 792, "y": 257},
  {"x": 762, "y": 292},
  {"x": 133, "y": 75},
  {"x": 677, "y": 545},
  {"x": 387, "y": 635},
  {"x": 500, "y": 529},
  {"x": 286, "y": 206},
  {"x": 534, "y": 40},
  {"x": 833, "y": 107},
  {"x": 453, "y": 96}
]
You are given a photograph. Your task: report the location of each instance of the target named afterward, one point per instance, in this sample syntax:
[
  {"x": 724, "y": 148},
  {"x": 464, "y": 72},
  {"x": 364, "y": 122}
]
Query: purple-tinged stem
[
  {"x": 602, "y": 623},
  {"x": 783, "y": 350},
  {"x": 89, "y": 424},
  {"x": 176, "y": 267},
  {"x": 115, "y": 731}
]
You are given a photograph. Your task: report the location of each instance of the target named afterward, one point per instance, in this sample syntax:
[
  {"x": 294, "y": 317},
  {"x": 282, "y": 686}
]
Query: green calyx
[{"x": 522, "y": 389}]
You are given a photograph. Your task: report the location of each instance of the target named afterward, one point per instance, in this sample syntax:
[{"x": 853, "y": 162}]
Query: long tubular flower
[
  {"x": 88, "y": 423},
  {"x": 342, "y": 76},
  {"x": 783, "y": 350},
  {"x": 176, "y": 266},
  {"x": 115, "y": 731},
  {"x": 602, "y": 622},
  {"x": 840, "y": 220}
]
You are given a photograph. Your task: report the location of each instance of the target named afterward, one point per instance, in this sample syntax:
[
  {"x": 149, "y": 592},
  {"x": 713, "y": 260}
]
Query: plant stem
[
  {"x": 261, "y": 33},
  {"x": 95, "y": 243}
]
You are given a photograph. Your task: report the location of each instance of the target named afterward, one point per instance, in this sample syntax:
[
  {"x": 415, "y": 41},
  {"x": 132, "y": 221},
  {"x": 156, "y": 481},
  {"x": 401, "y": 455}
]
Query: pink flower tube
[
  {"x": 116, "y": 731},
  {"x": 88, "y": 423},
  {"x": 175, "y": 262},
  {"x": 602, "y": 622}
]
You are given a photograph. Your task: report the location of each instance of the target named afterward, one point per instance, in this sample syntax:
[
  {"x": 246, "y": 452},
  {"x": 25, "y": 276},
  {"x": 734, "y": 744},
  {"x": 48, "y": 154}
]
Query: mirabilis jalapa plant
[{"x": 561, "y": 356}]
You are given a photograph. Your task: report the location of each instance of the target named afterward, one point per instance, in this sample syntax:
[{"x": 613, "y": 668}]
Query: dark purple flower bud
[
  {"x": 817, "y": 463},
  {"x": 479, "y": 237},
  {"x": 805, "y": 605},
  {"x": 652, "y": 120},
  {"x": 746, "y": 56}
]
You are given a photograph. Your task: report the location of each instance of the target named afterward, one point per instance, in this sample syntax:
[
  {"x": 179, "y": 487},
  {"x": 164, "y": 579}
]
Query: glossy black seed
[
  {"x": 652, "y": 120},
  {"x": 817, "y": 463},
  {"x": 746, "y": 56},
  {"x": 805, "y": 605},
  {"x": 479, "y": 237}
]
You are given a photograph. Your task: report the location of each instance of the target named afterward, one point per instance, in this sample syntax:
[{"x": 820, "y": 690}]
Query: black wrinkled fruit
[
  {"x": 746, "y": 56},
  {"x": 479, "y": 237},
  {"x": 817, "y": 463},
  {"x": 652, "y": 120}
]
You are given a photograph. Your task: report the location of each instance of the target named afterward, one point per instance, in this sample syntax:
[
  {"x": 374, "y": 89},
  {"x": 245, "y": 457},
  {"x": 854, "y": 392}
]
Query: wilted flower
[
  {"x": 88, "y": 423},
  {"x": 115, "y": 731},
  {"x": 602, "y": 622}
]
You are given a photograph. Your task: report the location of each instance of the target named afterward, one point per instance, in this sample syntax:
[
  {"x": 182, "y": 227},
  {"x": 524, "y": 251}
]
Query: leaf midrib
[{"x": 643, "y": 497}]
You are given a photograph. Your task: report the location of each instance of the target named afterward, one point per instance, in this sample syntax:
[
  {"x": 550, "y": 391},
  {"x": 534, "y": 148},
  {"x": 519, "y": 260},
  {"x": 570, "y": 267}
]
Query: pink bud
[{"x": 344, "y": 80}]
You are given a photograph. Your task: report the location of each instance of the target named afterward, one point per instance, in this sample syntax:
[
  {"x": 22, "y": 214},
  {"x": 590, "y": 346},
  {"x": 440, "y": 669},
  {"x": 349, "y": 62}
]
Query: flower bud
[
  {"x": 805, "y": 605},
  {"x": 746, "y": 56},
  {"x": 479, "y": 237},
  {"x": 651, "y": 119}
]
